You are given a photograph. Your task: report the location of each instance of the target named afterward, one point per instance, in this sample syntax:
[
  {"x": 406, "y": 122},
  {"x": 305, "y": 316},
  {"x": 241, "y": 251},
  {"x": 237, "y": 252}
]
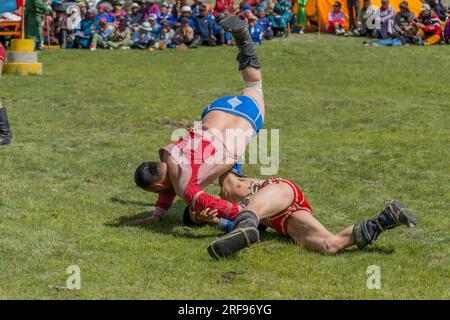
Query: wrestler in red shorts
[
  {"x": 280, "y": 204},
  {"x": 5, "y": 131}
]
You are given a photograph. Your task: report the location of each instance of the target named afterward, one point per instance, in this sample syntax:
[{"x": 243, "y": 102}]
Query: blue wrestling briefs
[{"x": 240, "y": 106}]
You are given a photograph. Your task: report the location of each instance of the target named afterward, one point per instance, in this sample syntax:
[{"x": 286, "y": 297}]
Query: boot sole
[
  {"x": 233, "y": 242},
  {"x": 405, "y": 216}
]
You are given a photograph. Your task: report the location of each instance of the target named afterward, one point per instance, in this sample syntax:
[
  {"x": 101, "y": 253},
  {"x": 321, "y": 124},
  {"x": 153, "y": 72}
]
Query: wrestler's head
[{"x": 152, "y": 177}]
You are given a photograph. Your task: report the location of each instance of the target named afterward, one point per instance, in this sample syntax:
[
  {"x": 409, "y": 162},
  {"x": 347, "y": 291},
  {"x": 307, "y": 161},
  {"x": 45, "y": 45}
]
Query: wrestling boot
[
  {"x": 393, "y": 215},
  {"x": 5, "y": 131},
  {"x": 244, "y": 234},
  {"x": 247, "y": 56}
]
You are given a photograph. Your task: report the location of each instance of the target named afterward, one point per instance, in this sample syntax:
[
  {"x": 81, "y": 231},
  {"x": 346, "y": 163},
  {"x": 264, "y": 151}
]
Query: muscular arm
[{"x": 199, "y": 200}]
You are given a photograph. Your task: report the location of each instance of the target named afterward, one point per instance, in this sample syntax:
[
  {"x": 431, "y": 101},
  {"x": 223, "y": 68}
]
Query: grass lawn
[{"x": 358, "y": 126}]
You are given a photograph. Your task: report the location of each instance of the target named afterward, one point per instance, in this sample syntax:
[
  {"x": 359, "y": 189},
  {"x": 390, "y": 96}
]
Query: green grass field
[{"x": 358, "y": 126}]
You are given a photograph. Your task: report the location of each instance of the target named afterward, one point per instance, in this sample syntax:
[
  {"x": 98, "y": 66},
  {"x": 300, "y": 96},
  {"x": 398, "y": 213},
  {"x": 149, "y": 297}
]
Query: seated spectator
[
  {"x": 255, "y": 30},
  {"x": 186, "y": 12},
  {"x": 102, "y": 35},
  {"x": 402, "y": 22},
  {"x": 150, "y": 7},
  {"x": 156, "y": 30},
  {"x": 428, "y": 26},
  {"x": 135, "y": 15},
  {"x": 245, "y": 12},
  {"x": 196, "y": 8},
  {"x": 167, "y": 36},
  {"x": 184, "y": 34},
  {"x": 141, "y": 38},
  {"x": 336, "y": 20},
  {"x": 58, "y": 28},
  {"x": 447, "y": 26},
  {"x": 204, "y": 29},
  {"x": 366, "y": 24},
  {"x": 224, "y": 6},
  {"x": 385, "y": 22},
  {"x": 222, "y": 37},
  {"x": 118, "y": 12},
  {"x": 166, "y": 15},
  {"x": 73, "y": 25},
  {"x": 437, "y": 7},
  {"x": 265, "y": 23},
  {"x": 252, "y": 3},
  {"x": 281, "y": 17},
  {"x": 102, "y": 13},
  {"x": 88, "y": 27},
  {"x": 83, "y": 10},
  {"x": 121, "y": 38}
]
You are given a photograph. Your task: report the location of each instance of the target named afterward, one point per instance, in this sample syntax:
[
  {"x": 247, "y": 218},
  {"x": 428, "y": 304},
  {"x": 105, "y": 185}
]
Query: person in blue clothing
[
  {"x": 156, "y": 30},
  {"x": 256, "y": 32},
  {"x": 204, "y": 29},
  {"x": 88, "y": 27},
  {"x": 186, "y": 12},
  {"x": 141, "y": 38},
  {"x": 103, "y": 14},
  {"x": 222, "y": 37},
  {"x": 195, "y": 8},
  {"x": 265, "y": 23},
  {"x": 166, "y": 15}
]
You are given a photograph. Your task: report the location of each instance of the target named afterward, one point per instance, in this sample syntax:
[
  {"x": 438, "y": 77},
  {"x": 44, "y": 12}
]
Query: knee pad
[{"x": 255, "y": 86}]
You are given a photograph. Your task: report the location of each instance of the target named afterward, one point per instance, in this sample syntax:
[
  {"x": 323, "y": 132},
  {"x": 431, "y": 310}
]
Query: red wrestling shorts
[
  {"x": 278, "y": 221},
  {"x": 2, "y": 53}
]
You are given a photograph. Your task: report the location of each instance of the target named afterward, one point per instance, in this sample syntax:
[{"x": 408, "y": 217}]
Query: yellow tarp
[{"x": 320, "y": 9}]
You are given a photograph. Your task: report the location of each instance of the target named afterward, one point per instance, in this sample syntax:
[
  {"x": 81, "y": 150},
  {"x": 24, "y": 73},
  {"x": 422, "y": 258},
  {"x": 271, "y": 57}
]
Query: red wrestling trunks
[
  {"x": 2, "y": 54},
  {"x": 278, "y": 221}
]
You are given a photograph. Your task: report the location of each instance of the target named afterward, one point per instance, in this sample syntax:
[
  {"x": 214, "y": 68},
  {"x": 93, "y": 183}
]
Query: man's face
[
  {"x": 336, "y": 8},
  {"x": 134, "y": 10},
  {"x": 152, "y": 22},
  {"x": 164, "y": 10},
  {"x": 204, "y": 12},
  {"x": 385, "y": 5},
  {"x": 186, "y": 14},
  {"x": 425, "y": 13},
  {"x": 403, "y": 9},
  {"x": 366, "y": 5},
  {"x": 91, "y": 16}
]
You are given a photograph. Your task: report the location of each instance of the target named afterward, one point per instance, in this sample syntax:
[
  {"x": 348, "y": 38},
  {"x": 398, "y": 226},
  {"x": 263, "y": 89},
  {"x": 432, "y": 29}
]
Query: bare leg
[
  {"x": 259, "y": 204},
  {"x": 248, "y": 59},
  {"x": 306, "y": 230},
  {"x": 253, "y": 86}
]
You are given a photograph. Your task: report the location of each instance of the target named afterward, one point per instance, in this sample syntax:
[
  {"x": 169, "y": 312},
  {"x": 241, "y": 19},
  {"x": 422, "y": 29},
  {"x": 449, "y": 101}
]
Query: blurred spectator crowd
[{"x": 153, "y": 24}]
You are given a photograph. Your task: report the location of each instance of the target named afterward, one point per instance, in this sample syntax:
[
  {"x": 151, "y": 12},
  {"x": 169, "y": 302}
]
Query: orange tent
[{"x": 319, "y": 9}]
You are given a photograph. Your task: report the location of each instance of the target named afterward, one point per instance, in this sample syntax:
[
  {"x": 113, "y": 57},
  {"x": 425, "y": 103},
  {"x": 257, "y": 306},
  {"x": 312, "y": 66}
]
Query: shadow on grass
[
  {"x": 127, "y": 202},
  {"x": 369, "y": 250},
  {"x": 171, "y": 225}
]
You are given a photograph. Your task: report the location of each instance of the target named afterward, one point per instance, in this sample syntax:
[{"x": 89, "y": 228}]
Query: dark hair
[
  {"x": 187, "y": 220},
  {"x": 147, "y": 174}
]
